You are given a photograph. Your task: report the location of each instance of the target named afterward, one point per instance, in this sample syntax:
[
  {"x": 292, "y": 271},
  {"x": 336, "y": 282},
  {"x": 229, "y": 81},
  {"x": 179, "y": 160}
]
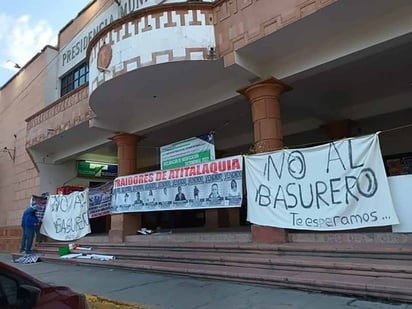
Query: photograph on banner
[
  {"x": 401, "y": 187},
  {"x": 216, "y": 184},
  {"x": 336, "y": 186},
  {"x": 39, "y": 203},
  {"x": 66, "y": 216},
  {"x": 100, "y": 200},
  {"x": 191, "y": 151}
]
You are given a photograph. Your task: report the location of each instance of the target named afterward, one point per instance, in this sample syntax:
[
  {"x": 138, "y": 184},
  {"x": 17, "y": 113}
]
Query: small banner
[
  {"x": 39, "y": 203},
  {"x": 337, "y": 186},
  {"x": 66, "y": 216},
  {"x": 216, "y": 184},
  {"x": 100, "y": 200}
]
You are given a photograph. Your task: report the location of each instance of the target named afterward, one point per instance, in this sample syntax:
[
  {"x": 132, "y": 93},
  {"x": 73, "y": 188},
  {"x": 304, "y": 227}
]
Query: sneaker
[{"x": 142, "y": 231}]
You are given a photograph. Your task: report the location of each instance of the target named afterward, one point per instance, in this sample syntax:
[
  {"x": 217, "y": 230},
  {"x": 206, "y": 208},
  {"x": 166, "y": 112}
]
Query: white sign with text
[
  {"x": 337, "y": 186},
  {"x": 66, "y": 216},
  {"x": 401, "y": 187}
]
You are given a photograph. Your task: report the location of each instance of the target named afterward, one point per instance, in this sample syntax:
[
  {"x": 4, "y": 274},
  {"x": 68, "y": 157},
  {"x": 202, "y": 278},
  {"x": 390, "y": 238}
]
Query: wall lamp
[
  {"x": 11, "y": 152},
  {"x": 14, "y": 64}
]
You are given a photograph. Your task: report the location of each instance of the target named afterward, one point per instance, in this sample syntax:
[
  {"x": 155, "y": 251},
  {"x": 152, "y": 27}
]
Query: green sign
[
  {"x": 191, "y": 151},
  {"x": 96, "y": 169}
]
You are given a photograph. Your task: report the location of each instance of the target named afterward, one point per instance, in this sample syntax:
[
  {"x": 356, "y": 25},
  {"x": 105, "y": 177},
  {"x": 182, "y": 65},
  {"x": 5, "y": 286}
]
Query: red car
[{"x": 20, "y": 290}]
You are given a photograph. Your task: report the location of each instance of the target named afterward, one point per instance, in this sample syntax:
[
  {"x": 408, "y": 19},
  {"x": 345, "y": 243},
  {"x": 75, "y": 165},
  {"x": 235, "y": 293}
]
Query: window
[
  {"x": 16, "y": 292},
  {"x": 74, "y": 79}
]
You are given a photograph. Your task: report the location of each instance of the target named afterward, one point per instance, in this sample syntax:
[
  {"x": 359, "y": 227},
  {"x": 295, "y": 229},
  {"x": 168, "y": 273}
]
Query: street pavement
[{"x": 180, "y": 292}]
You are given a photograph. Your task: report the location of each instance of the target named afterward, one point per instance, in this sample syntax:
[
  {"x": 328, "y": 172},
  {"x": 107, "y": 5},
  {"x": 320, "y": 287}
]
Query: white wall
[
  {"x": 52, "y": 82},
  {"x": 53, "y": 176}
]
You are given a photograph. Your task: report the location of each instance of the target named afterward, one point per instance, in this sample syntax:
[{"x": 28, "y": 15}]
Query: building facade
[{"x": 130, "y": 76}]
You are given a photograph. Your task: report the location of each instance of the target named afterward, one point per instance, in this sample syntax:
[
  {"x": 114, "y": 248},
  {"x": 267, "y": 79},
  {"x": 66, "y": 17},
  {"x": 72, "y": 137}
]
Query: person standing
[
  {"x": 196, "y": 193},
  {"x": 29, "y": 223},
  {"x": 39, "y": 237}
]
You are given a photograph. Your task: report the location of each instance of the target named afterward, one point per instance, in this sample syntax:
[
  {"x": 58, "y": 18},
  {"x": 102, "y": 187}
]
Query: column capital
[
  {"x": 125, "y": 138},
  {"x": 267, "y": 87}
]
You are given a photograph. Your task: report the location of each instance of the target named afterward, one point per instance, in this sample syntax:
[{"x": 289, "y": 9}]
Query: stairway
[{"x": 381, "y": 271}]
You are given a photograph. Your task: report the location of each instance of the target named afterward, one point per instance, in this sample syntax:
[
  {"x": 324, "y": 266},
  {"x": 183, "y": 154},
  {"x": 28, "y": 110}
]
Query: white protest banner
[
  {"x": 66, "y": 216},
  {"x": 100, "y": 200},
  {"x": 216, "y": 184},
  {"x": 190, "y": 151},
  {"x": 337, "y": 186},
  {"x": 401, "y": 187}
]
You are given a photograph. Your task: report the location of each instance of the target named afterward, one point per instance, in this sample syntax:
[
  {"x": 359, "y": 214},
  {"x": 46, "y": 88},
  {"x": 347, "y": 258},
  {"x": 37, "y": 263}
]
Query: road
[{"x": 179, "y": 292}]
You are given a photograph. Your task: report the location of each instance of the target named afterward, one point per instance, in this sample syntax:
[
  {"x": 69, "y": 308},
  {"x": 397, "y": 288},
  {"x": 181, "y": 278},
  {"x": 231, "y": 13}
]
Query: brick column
[
  {"x": 264, "y": 98},
  {"x": 211, "y": 219},
  {"x": 338, "y": 129},
  {"x": 125, "y": 224}
]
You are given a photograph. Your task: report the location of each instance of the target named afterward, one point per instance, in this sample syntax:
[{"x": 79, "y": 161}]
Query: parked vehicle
[{"x": 19, "y": 290}]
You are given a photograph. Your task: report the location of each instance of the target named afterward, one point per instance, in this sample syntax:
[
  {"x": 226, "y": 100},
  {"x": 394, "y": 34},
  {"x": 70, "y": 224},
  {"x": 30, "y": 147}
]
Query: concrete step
[
  {"x": 353, "y": 265},
  {"x": 361, "y": 285},
  {"x": 375, "y": 251}
]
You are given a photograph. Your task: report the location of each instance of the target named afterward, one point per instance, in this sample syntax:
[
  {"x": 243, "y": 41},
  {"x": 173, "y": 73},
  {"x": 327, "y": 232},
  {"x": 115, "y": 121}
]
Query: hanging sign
[
  {"x": 216, "y": 184},
  {"x": 100, "y": 200},
  {"x": 337, "y": 186},
  {"x": 91, "y": 169},
  {"x": 66, "y": 216},
  {"x": 191, "y": 151}
]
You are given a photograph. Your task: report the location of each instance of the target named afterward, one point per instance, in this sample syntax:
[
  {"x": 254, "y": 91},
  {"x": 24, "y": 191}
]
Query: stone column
[
  {"x": 125, "y": 224},
  {"x": 264, "y": 97}
]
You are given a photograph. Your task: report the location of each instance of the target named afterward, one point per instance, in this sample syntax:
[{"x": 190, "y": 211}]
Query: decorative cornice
[{"x": 145, "y": 12}]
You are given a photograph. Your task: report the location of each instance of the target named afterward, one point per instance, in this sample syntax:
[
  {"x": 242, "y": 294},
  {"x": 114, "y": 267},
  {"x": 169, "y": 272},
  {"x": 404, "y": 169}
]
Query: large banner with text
[
  {"x": 66, "y": 216},
  {"x": 216, "y": 184},
  {"x": 337, "y": 186}
]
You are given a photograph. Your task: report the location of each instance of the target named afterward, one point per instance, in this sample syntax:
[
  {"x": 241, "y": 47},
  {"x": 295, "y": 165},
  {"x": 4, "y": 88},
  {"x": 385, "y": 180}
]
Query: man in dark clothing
[
  {"x": 29, "y": 223},
  {"x": 180, "y": 196}
]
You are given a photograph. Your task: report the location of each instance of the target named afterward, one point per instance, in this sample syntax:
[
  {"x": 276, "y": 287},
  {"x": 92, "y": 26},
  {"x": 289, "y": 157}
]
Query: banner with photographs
[
  {"x": 38, "y": 203},
  {"x": 216, "y": 184},
  {"x": 100, "y": 200},
  {"x": 66, "y": 216},
  {"x": 337, "y": 186}
]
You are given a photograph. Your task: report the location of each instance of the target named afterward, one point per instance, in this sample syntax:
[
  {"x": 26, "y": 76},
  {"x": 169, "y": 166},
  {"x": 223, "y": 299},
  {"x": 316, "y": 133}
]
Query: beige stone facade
[{"x": 181, "y": 69}]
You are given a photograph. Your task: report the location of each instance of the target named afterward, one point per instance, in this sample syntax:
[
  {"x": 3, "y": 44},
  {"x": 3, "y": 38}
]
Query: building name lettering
[
  {"x": 77, "y": 48},
  {"x": 81, "y": 44}
]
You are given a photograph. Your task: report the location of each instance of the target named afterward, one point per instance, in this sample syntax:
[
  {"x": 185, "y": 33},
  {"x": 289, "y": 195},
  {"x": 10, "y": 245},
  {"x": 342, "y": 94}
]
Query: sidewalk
[{"x": 179, "y": 292}]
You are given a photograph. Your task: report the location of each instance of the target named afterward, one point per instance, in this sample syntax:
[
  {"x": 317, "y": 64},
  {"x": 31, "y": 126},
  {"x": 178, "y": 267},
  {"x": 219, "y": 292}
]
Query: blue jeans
[
  {"x": 27, "y": 239},
  {"x": 39, "y": 237}
]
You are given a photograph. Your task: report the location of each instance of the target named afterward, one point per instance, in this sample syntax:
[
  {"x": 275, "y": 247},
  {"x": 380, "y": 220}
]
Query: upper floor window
[{"x": 74, "y": 79}]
